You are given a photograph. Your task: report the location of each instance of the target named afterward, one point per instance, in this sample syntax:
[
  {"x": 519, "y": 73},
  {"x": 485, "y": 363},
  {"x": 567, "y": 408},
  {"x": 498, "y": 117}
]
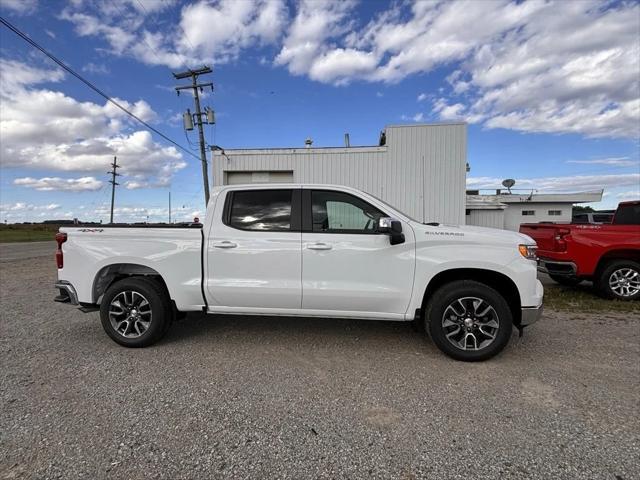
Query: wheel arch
[
  {"x": 617, "y": 254},
  {"x": 109, "y": 274},
  {"x": 496, "y": 280}
]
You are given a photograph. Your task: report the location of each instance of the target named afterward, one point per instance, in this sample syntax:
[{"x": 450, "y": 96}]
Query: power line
[{"x": 91, "y": 85}]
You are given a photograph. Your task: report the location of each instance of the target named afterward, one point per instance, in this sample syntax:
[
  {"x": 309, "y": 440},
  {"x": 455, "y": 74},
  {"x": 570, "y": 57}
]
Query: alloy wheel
[
  {"x": 470, "y": 323},
  {"x": 625, "y": 282},
  {"x": 130, "y": 314}
]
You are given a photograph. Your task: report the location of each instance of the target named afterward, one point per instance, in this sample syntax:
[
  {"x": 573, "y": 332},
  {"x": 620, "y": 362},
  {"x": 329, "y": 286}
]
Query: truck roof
[{"x": 284, "y": 185}]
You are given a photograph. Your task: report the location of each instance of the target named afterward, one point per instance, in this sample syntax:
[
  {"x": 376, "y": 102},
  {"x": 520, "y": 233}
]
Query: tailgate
[{"x": 544, "y": 235}]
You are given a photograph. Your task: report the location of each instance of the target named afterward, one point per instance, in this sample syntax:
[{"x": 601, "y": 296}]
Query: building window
[
  {"x": 555, "y": 213},
  {"x": 529, "y": 212},
  {"x": 467, "y": 212}
]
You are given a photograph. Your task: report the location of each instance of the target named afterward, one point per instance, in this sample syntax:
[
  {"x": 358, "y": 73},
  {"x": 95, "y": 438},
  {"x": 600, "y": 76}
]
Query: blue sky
[{"x": 550, "y": 90}]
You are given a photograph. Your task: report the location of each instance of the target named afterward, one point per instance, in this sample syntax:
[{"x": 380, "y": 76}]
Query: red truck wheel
[{"x": 620, "y": 279}]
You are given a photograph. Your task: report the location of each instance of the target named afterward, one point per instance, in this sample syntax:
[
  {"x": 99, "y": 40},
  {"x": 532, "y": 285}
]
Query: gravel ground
[
  {"x": 230, "y": 397},
  {"x": 23, "y": 250}
]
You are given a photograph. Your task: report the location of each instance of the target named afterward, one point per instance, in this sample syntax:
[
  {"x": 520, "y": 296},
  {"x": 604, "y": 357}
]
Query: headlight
[{"x": 529, "y": 251}]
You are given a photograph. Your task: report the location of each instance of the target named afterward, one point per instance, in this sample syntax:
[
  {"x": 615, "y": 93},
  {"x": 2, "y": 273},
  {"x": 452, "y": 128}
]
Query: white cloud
[
  {"x": 21, "y": 206},
  {"x": 611, "y": 161},
  {"x": 97, "y": 68},
  {"x": 45, "y": 129},
  {"x": 22, "y": 74},
  {"x": 207, "y": 32},
  {"x": 305, "y": 44},
  {"x": 46, "y": 184},
  {"x": 629, "y": 195},
  {"x": 22, "y": 7},
  {"x": 418, "y": 117},
  {"x": 22, "y": 211},
  {"x": 422, "y": 97},
  {"x": 552, "y": 67},
  {"x": 339, "y": 65},
  {"x": 569, "y": 183}
]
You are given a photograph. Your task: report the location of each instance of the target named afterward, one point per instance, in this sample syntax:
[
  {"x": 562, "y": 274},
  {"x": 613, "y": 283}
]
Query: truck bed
[{"x": 174, "y": 252}]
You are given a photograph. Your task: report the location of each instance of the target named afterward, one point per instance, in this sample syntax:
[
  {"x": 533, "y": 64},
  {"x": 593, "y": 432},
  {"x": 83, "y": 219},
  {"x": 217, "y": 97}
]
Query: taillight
[
  {"x": 60, "y": 238},
  {"x": 561, "y": 244}
]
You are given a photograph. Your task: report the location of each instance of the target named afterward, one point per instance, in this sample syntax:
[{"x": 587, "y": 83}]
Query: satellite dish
[{"x": 508, "y": 183}]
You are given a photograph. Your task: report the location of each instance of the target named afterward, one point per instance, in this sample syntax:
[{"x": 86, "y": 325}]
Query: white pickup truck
[{"x": 308, "y": 251}]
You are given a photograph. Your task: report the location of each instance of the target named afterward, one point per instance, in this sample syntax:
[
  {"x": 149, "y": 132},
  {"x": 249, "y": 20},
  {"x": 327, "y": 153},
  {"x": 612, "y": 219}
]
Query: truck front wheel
[
  {"x": 468, "y": 320},
  {"x": 620, "y": 279},
  {"x": 135, "y": 312}
]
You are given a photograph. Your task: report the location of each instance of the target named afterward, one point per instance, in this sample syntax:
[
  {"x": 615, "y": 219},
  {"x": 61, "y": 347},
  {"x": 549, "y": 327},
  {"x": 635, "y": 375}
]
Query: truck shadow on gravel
[
  {"x": 197, "y": 325},
  {"x": 254, "y": 331}
]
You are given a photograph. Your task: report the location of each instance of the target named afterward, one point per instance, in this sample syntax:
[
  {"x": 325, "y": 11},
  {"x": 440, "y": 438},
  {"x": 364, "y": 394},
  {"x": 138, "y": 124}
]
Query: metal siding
[
  {"x": 486, "y": 218},
  {"x": 421, "y": 170}
]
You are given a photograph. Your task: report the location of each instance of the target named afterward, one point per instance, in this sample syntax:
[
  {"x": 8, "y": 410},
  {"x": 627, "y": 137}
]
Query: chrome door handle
[
  {"x": 319, "y": 246},
  {"x": 225, "y": 244}
]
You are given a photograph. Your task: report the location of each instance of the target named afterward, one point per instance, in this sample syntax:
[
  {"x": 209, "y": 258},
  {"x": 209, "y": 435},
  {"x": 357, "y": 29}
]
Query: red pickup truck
[{"x": 608, "y": 254}]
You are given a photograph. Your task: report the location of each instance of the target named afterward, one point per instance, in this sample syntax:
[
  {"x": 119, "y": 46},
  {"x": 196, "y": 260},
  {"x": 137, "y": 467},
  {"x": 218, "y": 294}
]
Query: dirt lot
[{"x": 227, "y": 397}]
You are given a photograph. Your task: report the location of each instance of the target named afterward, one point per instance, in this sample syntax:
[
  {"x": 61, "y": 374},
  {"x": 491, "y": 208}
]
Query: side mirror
[{"x": 392, "y": 227}]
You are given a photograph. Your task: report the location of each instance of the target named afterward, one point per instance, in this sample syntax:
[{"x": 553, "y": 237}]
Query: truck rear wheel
[
  {"x": 469, "y": 320},
  {"x": 135, "y": 312},
  {"x": 620, "y": 279}
]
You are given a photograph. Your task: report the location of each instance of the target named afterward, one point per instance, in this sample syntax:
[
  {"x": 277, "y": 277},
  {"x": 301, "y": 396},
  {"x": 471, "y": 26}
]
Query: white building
[
  {"x": 420, "y": 169},
  {"x": 508, "y": 211}
]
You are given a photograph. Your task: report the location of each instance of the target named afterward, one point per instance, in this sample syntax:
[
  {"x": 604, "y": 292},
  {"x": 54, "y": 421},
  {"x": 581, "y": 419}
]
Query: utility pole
[
  {"x": 113, "y": 183},
  {"x": 197, "y": 117},
  {"x": 169, "y": 206}
]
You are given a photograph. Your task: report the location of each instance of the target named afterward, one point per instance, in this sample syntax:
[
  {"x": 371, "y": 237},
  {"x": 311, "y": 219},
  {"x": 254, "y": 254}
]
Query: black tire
[
  {"x": 159, "y": 307},
  {"x": 442, "y": 300},
  {"x": 615, "y": 267},
  {"x": 566, "y": 281}
]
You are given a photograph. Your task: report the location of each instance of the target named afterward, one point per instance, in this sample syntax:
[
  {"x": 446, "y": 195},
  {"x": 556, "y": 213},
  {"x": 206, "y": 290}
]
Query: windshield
[{"x": 393, "y": 208}]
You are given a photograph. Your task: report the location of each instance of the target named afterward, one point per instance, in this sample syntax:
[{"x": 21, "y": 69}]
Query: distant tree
[{"x": 581, "y": 209}]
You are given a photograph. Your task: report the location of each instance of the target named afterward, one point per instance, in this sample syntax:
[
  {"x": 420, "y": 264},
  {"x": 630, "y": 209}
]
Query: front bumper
[
  {"x": 557, "y": 267},
  {"x": 530, "y": 315},
  {"x": 67, "y": 293}
]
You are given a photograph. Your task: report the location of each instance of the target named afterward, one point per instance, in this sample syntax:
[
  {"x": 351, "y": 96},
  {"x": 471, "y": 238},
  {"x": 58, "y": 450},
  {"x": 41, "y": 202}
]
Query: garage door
[{"x": 241, "y": 178}]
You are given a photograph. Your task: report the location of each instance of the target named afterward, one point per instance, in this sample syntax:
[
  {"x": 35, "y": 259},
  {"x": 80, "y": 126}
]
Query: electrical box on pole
[{"x": 187, "y": 120}]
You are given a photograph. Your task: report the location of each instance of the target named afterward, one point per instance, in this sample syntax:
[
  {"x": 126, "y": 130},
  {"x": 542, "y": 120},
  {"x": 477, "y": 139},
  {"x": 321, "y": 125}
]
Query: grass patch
[
  {"x": 583, "y": 298},
  {"x": 27, "y": 233}
]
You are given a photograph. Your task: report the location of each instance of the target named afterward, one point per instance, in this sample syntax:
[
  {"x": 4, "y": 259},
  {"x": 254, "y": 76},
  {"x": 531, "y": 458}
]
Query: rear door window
[{"x": 261, "y": 210}]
